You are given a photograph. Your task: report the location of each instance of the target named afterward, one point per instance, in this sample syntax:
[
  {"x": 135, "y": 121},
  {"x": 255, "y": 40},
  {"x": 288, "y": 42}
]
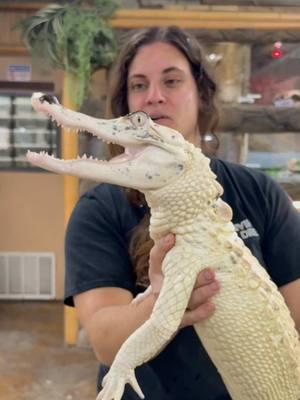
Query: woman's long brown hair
[{"x": 208, "y": 117}]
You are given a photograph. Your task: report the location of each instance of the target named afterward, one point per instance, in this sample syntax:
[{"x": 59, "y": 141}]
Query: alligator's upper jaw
[
  {"x": 148, "y": 162},
  {"x": 118, "y": 130}
]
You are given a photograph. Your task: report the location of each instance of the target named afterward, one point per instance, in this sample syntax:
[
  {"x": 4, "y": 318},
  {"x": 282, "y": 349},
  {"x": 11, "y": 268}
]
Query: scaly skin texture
[{"x": 251, "y": 337}]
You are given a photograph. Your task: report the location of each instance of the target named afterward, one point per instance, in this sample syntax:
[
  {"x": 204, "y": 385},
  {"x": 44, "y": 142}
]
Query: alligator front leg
[{"x": 148, "y": 340}]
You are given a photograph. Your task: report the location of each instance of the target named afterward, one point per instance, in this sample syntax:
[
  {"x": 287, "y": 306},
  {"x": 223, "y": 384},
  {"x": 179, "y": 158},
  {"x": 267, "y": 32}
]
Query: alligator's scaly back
[{"x": 251, "y": 337}]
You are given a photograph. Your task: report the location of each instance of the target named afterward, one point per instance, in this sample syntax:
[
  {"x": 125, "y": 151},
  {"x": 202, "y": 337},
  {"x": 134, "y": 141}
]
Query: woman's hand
[{"x": 200, "y": 305}]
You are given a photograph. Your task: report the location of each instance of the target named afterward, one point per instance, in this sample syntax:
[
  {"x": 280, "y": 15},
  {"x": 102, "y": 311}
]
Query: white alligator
[{"x": 251, "y": 337}]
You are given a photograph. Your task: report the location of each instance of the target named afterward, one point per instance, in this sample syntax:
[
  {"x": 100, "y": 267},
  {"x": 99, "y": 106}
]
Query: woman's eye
[
  {"x": 172, "y": 82},
  {"x": 136, "y": 87}
]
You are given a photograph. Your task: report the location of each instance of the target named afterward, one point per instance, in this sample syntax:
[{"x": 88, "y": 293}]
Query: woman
[{"x": 160, "y": 71}]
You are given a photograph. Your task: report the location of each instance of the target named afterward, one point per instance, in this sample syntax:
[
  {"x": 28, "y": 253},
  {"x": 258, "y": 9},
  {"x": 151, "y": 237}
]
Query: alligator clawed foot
[
  {"x": 114, "y": 383},
  {"x": 141, "y": 296}
]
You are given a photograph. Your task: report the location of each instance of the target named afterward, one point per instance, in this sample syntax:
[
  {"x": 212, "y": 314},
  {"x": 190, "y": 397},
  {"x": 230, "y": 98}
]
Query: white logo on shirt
[{"x": 245, "y": 229}]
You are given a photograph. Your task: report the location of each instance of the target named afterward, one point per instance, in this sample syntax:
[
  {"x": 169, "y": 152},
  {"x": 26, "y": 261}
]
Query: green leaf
[{"x": 75, "y": 37}]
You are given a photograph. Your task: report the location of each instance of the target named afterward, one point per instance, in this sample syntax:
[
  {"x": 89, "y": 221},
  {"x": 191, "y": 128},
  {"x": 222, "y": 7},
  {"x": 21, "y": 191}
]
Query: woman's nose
[{"x": 155, "y": 95}]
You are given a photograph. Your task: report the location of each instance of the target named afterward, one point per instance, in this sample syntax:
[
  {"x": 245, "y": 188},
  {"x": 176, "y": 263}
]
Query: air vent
[{"x": 27, "y": 276}]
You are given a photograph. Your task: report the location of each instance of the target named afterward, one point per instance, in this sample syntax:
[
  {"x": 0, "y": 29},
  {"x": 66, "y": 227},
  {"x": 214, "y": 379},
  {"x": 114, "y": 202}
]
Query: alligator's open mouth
[
  {"x": 128, "y": 132},
  {"x": 130, "y": 153}
]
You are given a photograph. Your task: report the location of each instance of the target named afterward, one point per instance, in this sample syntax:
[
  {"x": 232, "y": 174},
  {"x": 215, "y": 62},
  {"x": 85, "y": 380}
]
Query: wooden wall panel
[
  {"x": 31, "y": 214},
  {"x": 8, "y": 21}
]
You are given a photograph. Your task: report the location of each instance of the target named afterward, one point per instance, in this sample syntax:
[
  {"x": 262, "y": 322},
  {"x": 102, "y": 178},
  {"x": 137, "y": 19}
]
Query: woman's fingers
[
  {"x": 159, "y": 250},
  {"x": 207, "y": 275},
  {"x": 201, "y": 304},
  {"x": 200, "y": 313},
  {"x": 205, "y": 287},
  {"x": 157, "y": 254}
]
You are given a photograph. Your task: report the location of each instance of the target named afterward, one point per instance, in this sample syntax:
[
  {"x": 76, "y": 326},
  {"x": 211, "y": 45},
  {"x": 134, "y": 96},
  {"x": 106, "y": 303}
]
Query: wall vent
[{"x": 27, "y": 276}]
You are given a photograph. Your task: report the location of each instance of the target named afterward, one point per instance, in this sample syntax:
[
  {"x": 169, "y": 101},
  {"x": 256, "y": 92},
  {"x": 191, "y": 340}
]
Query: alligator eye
[{"x": 138, "y": 118}]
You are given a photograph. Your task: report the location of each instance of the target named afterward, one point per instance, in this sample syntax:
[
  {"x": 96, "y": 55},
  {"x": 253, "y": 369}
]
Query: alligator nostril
[{"x": 49, "y": 98}]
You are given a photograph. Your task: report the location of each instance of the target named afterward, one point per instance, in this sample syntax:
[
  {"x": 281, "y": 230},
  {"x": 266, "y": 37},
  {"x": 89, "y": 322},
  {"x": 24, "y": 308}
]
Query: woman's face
[{"x": 160, "y": 83}]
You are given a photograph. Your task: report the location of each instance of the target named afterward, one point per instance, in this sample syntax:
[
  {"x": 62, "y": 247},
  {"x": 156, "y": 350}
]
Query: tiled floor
[{"x": 34, "y": 362}]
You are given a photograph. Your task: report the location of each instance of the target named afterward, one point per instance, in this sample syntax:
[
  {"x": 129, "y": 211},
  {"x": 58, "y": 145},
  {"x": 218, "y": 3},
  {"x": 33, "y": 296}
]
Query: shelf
[
  {"x": 35, "y": 146},
  {"x": 31, "y": 117},
  {"x": 244, "y": 118},
  {"x": 32, "y": 131},
  {"x": 22, "y": 129},
  {"x": 21, "y": 158},
  {"x": 6, "y": 159}
]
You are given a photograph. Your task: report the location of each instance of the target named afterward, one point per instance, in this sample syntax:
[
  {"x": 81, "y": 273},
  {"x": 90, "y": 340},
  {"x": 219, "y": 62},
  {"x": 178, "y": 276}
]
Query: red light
[{"x": 277, "y": 53}]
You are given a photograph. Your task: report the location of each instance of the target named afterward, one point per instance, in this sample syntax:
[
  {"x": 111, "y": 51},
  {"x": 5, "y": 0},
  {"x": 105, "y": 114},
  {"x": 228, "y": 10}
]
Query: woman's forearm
[{"x": 109, "y": 327}]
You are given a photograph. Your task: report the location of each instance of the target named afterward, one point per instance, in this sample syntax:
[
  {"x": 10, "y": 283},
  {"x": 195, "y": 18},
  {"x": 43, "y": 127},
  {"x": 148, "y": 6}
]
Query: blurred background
[{"x": 252, "y": 48}]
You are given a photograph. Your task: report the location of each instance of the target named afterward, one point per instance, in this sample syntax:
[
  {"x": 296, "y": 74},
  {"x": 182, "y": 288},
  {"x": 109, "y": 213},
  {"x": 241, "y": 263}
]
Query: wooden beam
[
  {"x": 69, "y": 145},
  {"x": 209, "y": 24},
  {"x": 242, "y": 17},
  {"x": 26, "y": 86},
  {"x": 140, "y": 18},
  {"x": 249, "y": 36},
  {"x": 22, "y": 7},
  {"x": 263, "y": 3},
  {"x": 8, "y": 51}
]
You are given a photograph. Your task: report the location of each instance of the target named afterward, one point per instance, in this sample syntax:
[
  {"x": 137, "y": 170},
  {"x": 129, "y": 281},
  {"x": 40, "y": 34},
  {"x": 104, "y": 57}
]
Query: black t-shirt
[{"x": 96, "y": 251}]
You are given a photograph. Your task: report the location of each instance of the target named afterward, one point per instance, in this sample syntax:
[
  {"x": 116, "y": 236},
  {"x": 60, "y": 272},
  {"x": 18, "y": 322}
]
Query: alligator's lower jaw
[
  {"x": 37, "y": 158},
  {"x": 120, "y": 158}
]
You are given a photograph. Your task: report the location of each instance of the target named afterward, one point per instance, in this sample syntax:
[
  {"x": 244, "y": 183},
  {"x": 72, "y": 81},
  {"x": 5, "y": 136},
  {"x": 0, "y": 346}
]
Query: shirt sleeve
[
  {"x": 281, "y": 243},
  {"x": 96, "y": 252}
]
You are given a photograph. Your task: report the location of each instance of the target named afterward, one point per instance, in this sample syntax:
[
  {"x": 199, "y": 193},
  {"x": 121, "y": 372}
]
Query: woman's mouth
[{"x": 161, "y": 120}]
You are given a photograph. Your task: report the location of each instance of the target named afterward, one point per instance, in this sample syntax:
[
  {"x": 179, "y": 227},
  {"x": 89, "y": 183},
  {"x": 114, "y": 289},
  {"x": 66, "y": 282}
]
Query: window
[{"x": 22, "y": 129}]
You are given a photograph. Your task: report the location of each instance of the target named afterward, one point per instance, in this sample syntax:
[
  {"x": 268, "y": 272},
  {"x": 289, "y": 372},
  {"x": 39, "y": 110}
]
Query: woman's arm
[
  {"x": 109, "y": 319},
  {"x": 291, "y": 294}
]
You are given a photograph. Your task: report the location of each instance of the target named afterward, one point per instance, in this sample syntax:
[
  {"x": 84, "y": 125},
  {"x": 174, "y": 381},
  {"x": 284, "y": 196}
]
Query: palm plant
[{"x": 75, "y": 37}]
